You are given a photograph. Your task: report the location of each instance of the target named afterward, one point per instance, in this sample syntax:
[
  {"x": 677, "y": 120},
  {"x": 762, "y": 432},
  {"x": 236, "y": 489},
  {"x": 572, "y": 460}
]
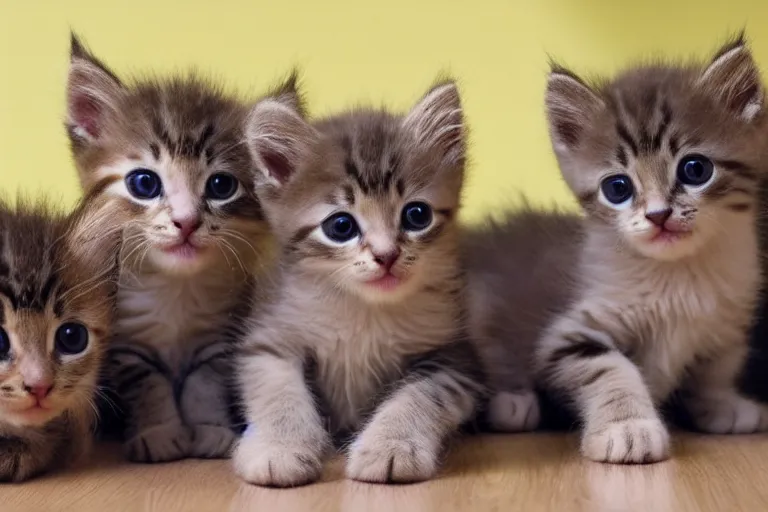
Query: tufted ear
[
  {"x": 277, "y": 134},
  {"x": 437, "y": 123},
  {"x": 93, "y": 91},
  {"x": 570, "y": 105},
  {"x": 733, "y": 79}
]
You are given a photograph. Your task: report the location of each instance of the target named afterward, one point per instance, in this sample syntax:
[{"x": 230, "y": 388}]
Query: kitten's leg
[
  {"x": 514, "y": 411},
  {"x": 205, "y": 403},
  {"x": 154, "y": 431},
  {"x": 405, "y": 437},
  {"x": 27, "y": 455},
  {"x": 712, "y": 397},
  {"x": 621, "y": 423},
  {"x": 285, "y": 442}
]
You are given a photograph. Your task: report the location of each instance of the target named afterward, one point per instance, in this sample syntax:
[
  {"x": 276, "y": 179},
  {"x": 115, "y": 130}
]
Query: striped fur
[
  {"x": 331, "y": 355},
  {"x": 654, "y": 315}
]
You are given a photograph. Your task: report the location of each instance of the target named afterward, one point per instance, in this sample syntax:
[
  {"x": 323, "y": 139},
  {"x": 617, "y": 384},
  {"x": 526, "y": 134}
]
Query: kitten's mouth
[
  {"x": 185, "y": 250},
  {"x": 387, "y": 282},
  {"x": 668, "y": 236}
]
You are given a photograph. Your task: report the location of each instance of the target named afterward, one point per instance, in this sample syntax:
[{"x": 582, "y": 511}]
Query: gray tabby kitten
[
  {"x": 364, "y": 332},
  {"x": 194, "y": 248},
  {"x": 665, "y": 161}
]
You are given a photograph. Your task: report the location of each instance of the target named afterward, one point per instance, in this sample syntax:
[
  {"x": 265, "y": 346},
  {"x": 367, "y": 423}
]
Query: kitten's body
[{"x": 392, "y": 366}]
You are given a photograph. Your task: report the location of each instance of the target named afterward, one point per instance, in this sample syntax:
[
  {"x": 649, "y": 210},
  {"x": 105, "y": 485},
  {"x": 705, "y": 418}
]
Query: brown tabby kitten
[
  {"x": 174, "y": 148},
  {"x": 666, "y": 162},
  {"x": 57, "y": 297},
  {"x": 364, "y": 333}
]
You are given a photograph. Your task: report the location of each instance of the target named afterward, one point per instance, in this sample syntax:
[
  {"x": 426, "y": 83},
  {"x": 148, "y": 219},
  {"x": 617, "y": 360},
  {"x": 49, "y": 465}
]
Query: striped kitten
[
  {"x": 665, "y": 161},
  {"x": 363, "y": 334},
  {"x": 175, "y": 149},
  {"x": 57, "y": 297}
]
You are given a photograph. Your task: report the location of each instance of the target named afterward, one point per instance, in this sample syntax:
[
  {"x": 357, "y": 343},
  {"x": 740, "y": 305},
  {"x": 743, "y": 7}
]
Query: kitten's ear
[
  {"x": 437, "y": 123},
  {"x": 570, "y": 105},
  {"x": 733, "y": 78},
  {"x": 289, "y": 94},
  {"x": 92, "y": 93},
  {"x": 278, "y": 137}
]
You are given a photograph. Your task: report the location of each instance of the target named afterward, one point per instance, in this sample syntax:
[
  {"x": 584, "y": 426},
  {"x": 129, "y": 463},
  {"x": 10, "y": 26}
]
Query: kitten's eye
[
  {"x": 416, "y": 216},
  {"x": 617, "y": 189},
  {"x": 221, "y": 186},
  {"x": 144, "y": 184},
  {"x": 71, "y": 338},
  {"x": 695, "y": 170},
  {"x": 5, "y": 344},
  {"x": 340, "y": 227}
]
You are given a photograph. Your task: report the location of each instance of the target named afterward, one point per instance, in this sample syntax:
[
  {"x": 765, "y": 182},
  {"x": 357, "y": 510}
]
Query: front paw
[
  {"x": 17, "y": 466},
  {"x": 381, "y": 459},
  {"x": 732, "y": 414},
  {"x": 634, "y": 441},
  {"x": 285, "y": 463},
  {"x": 159, "y": 443},
  {"x": 212, "y": 441},
  {"x": 514, "y": 412}
]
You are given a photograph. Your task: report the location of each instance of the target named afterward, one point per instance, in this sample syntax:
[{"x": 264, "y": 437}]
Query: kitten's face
[
  {"x": 659, "y": 155},
  {"x": 56, "y": 304},
  {"x": 372, "y": 210}
]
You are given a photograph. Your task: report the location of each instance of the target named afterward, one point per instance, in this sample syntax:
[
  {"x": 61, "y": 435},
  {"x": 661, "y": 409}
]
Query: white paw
[
  {"x": 731, "y": 415},
  {"x": 212, "y": 441},
  {"x": 514, "y": 412},
  {"x": 284, "y": 463},
  {"x": 634, "y": 441},
  {"x": 160, "y": 443},
  {"x": 378, "y": 459}
]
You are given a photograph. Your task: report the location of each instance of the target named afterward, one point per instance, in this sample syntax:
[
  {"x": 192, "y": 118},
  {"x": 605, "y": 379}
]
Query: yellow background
[{"x": 351, "y": 52}]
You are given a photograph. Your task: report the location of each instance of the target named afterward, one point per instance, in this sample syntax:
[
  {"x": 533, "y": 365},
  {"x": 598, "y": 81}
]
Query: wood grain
[{"x": 536, "y": 472}]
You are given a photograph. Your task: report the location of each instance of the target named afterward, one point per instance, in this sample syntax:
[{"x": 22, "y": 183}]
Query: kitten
[
  {"x": 57, "y": 298},
  {"x": 666, "y": 162},
  {"x": 175, "y": 149},
  {"x": 364, "y": 333},
  {"x": 520, "y": 275}
]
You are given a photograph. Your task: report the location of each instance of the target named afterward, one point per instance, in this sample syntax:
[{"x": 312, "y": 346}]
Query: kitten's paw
[
  {"x": 634, "y": 441},
  {"x": 212, "y": 441},
  {"x": 514, "y": 412},
  {"x": 731, "y": 415},
  {"x": 19, "y": 465},
  {"x": 160, "y": 443},
  {"x": 277, "y": 464},
  {"x": 379, "y": 459}
]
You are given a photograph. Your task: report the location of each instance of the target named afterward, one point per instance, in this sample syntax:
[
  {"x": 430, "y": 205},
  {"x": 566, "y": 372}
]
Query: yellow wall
[{"x": 351, "y": 51}]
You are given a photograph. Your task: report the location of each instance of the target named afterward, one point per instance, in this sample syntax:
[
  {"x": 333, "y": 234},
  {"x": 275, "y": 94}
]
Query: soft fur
[
  {"x": 331, "y": 354},
  {"x": 55, "y": 269},
  {"x": 183, "y": 296},
  {"x": 659, "y": 308}
]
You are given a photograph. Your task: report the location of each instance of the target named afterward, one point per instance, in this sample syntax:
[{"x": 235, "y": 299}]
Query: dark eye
[
  {"x": 71, "y": 338},
  {"x": 416, "y": 216},
  {"x": 221, "y": 186},
  {"x": 144, "y": 184},
  {"x": 5, "y": 344},
  {"x": 340, "y": 227},
  {"x": 617, "y": 188},
  {"x": 695, "y": 170}
]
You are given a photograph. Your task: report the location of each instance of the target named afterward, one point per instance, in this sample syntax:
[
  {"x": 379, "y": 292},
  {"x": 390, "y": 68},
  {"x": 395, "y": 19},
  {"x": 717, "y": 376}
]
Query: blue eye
[
  {"x": 71, "y": 338},
  {"x": 5, "y": 344},
  {"x": 695, "y": 170},
  {"x": 416, "y": 216},
  {"x": 617, "y": 188},
  {"x": 340, "y": 227},
  {"x": 221, "y": 186},
  {"x": 144, "y": 184}
]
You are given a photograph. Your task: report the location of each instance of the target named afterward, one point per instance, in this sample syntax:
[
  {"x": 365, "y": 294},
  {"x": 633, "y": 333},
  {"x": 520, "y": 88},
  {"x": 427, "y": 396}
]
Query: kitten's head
[
  {"x": 365, "y": 200},
  {"x": 57, "y": 293},
  {"x": 669, "y": 156},
  {"x": 175, "y": 148}
]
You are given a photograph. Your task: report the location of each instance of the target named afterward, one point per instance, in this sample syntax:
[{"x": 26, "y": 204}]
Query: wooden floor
[{"x": 531, "y": 473}]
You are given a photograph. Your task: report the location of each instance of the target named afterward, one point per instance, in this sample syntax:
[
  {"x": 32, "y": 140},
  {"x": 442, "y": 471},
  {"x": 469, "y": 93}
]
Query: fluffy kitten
[
  {"x": 57, "y": 297},
  {"x": 364, "y": 332},
  {"x": 665, "y": 161},
  {"x": 175, "y": 149}
]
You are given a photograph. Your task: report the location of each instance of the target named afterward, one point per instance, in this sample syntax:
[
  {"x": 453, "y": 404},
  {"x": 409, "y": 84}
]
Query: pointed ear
[
  {"x": 289, "y": 94},
  {"x": 437, "y": 123},
  {"x": 92, "y": 94},
  {"x": 278, "y": 137},
  {"x": 733, "y": 78},
  {"x": 570, "y": 105}
]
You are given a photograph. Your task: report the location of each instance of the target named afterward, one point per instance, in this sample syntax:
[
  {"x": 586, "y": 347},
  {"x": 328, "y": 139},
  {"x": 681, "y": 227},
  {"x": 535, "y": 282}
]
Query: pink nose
[
  {"x": 39, "y": 391},
  {"x": 187, "y": 226},
  {"x": 387, "y": 260}
]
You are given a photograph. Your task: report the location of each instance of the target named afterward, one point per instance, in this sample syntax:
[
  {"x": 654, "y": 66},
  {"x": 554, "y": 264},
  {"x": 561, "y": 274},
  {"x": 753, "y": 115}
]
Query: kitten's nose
[
  {"x": 187, "y": 225},
  {"x": 40, "y": 391},
  {"x": 659, "y": 217},
  {"x": 387, "y": 259}
]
